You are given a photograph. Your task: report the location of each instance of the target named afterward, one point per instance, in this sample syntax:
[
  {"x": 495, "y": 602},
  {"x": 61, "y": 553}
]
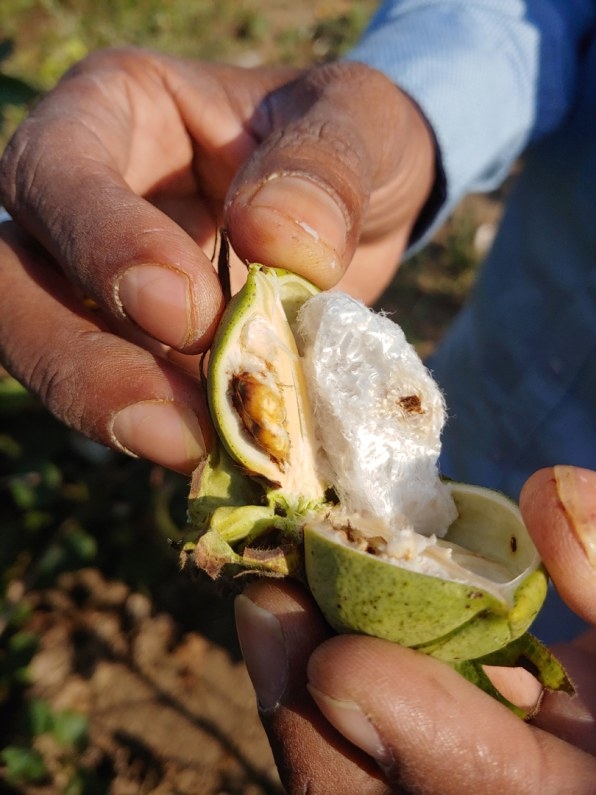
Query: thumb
[
  {"x": 432, "y": 731},
  {"x": 347, "y": 154},
  {"x": 559, "y": 507}
]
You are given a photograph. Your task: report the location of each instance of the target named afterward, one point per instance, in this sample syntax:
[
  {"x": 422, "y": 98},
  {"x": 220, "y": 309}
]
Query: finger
[
  {"x": 94, "y": 381},
  {"x": 559, "y": 508},
  {"x": 328, "y": 173},
  {"x": 278, "y": 627},
  {"x": 74, "y": 176},
  {"x": 432, "y": 731}
]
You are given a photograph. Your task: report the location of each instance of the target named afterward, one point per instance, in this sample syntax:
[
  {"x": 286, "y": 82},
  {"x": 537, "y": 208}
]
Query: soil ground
[{"x": 169, "y": 710}]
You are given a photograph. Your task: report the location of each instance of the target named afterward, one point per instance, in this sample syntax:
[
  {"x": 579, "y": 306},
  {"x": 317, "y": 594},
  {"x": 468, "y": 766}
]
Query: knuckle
[
  {"x": 19, "y": 167},
  {"x": 105, "y": 60},
  {"x": 72, "y": 382},
  {"x": 10, "y": 168},
  {"x": 55, "y": 381}
]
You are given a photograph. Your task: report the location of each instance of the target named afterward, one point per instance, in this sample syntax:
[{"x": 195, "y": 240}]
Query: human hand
[
  {"x": 121, "y": 177},
  {"x": 358, "y": 714}
]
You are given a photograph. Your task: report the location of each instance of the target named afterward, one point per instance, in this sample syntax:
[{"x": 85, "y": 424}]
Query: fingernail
[
  {"x": 576, "y": 489},
  {"x": 314, "y": 211},
  {"x": 157, "y": 298},
  {"x": 264, "y": 651},
  {"x": 302, "y": 219},
  {"x": 349, "y": 719},
  {"x": 162, "y": 431}
]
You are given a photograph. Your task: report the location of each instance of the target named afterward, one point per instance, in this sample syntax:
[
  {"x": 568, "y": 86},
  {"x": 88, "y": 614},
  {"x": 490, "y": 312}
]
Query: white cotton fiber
[{"x": 378, "y": 415}]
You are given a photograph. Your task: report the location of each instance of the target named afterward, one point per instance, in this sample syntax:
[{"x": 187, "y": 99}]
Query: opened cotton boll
[
  {"x": 325, "y": 469},
  {"x": 378, "y": 415}
]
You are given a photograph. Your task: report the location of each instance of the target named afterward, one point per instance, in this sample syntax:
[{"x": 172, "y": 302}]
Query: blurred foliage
[
  {"x": 48, "y": 737},
  {"x": 43, "y": 38},
  {"x": 15, "y": 93},
  {"x": 67, "y": 503}
]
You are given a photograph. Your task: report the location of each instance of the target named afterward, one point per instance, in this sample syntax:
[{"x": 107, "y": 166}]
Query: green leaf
[
  {"x": 14, "y": 91},
  {"x": 72, "y": 548},
  {"x": 70, "y": 728},
  {"x": 39, "y": 717},
  {"x": 23, "y": 765}
]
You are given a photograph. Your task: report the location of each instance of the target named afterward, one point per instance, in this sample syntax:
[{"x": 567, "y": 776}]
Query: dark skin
[{"x": 118, "y": 182}]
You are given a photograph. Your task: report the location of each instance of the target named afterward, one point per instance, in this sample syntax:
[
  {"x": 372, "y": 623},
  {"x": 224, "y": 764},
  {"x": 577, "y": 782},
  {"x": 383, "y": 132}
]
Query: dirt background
[{"x": 169, "y": 710}]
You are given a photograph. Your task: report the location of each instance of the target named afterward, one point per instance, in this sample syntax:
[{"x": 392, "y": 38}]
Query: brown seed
[{"x": 261, "y": 408}]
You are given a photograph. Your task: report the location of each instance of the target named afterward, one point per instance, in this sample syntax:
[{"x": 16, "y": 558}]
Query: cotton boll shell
[
  {"x": 255, "y": 385},
  {"x": 461, "y": 598}
]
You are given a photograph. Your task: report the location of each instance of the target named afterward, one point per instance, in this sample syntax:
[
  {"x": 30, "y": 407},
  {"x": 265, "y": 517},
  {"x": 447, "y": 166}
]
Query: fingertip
[
  {"x": 534, "y": 485},
  {"x": 293, "y": 606},
  {"x": 158, "y": 299},
  {"x": 294, "y": 222},
  {"x": 558, "y": 505},
  {"x": 353, "y": 723},
  {"x": 562, "y": 499},
  {"x": 423, "y": 723},
  {"x": 160, "y": 429},
  {"x": 264, "y": 651},
  {"x": 278, "y": 626},
  {"x": 576, "y": 489}
]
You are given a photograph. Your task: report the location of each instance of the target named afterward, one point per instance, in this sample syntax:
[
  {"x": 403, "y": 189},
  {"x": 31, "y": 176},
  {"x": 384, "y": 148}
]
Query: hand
[
  {"x": 121, "y": 177},
  {"x": 358, "y": 714}
]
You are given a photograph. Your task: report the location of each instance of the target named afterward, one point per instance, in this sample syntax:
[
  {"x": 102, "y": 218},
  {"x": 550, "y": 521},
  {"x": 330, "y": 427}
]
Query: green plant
[
  {"x": 14, "y": 91},
  {"x": 48, "y": 750}
]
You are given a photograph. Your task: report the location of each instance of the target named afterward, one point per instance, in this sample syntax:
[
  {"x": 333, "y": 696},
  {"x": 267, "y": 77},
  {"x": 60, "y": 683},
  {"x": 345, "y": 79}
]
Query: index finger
[
  {"x": 75, "y": 174},
  {"x": 93, "y": 380}
]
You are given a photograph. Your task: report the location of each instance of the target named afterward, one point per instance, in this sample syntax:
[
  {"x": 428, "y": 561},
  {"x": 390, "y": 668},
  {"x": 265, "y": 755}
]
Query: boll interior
[
  {"x": 314, "y": 393},
  {"x": 378, "y": 416}
]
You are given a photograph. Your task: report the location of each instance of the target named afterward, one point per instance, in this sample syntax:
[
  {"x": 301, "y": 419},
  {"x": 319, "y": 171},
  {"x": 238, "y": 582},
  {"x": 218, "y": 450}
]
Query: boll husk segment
[
  {"x": 326, "y": 469},
  {"x": 493, "y": 579},
  {"x": 256, "y": 387}
]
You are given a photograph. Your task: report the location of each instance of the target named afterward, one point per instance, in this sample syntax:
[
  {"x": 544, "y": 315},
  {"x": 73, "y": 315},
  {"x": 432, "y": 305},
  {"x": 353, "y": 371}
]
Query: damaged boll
[{"x": 328, "y": 428}]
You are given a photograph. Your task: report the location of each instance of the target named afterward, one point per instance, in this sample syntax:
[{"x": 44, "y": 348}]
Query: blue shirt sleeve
[{"x": 490, "y": 75}]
